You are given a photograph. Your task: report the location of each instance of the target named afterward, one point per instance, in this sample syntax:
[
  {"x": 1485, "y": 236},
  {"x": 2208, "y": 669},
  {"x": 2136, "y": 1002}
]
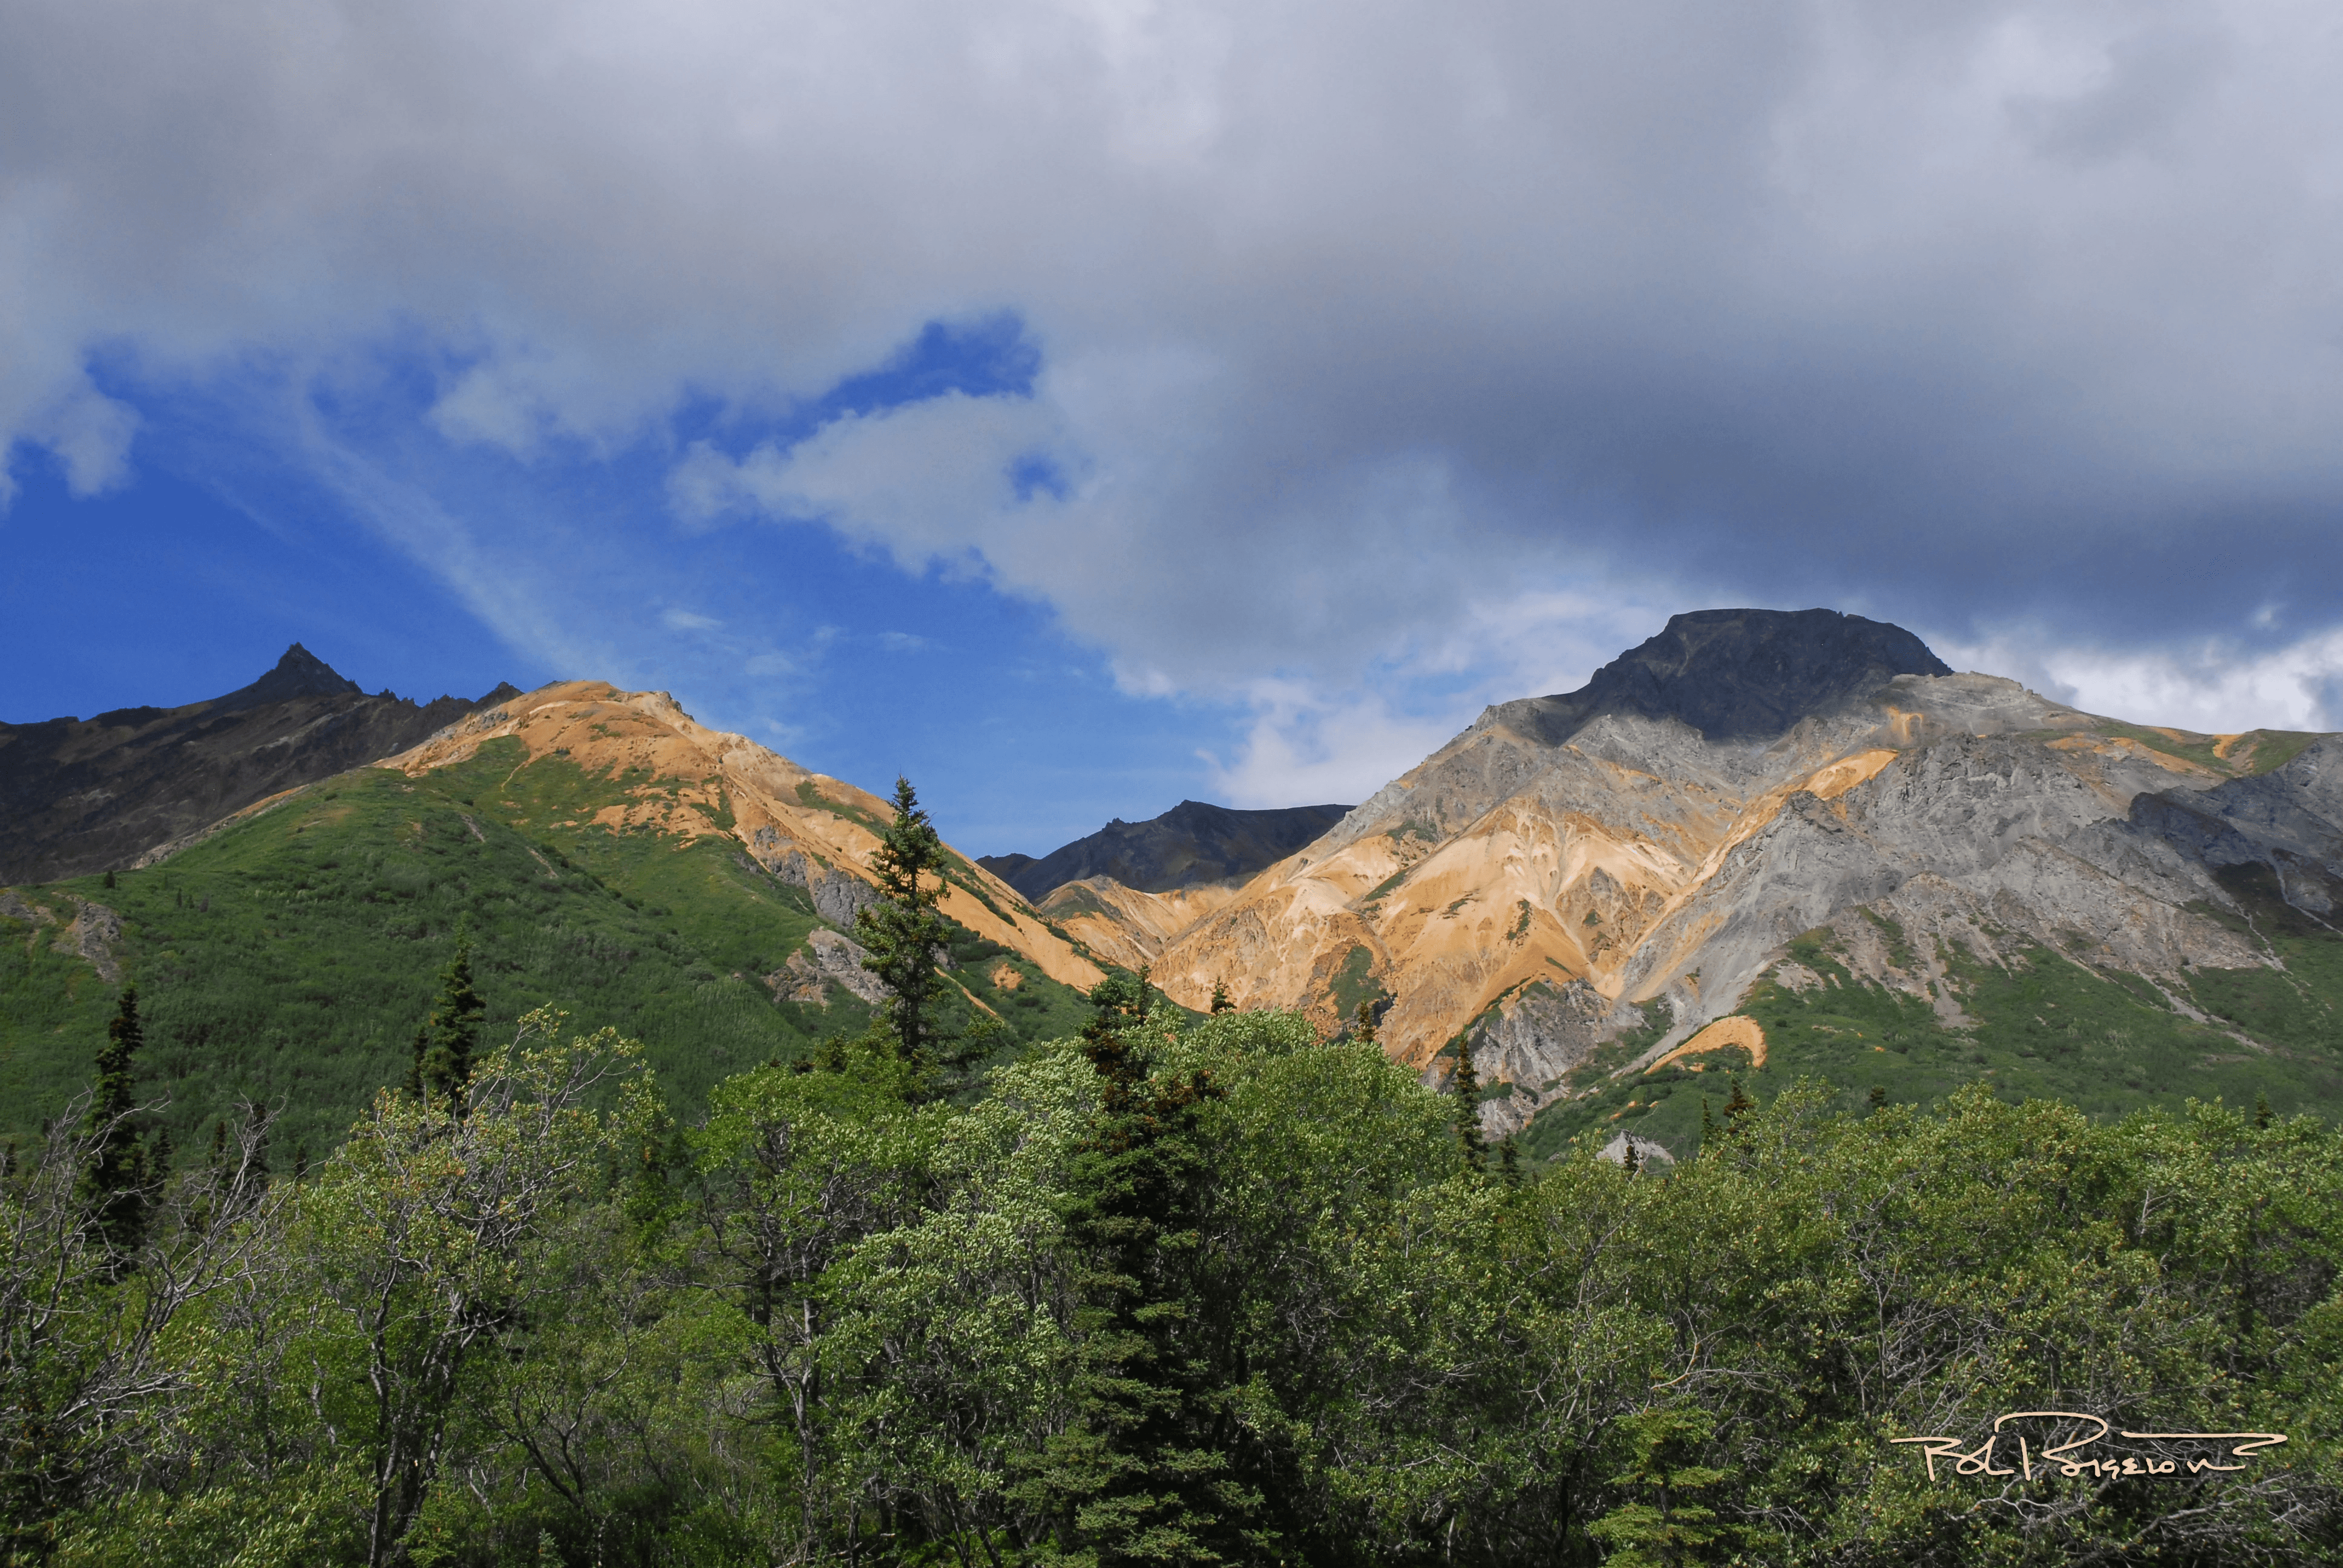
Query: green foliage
[
  {"x": 1355, "y": 982},
  {"x": 1663, "y": 1526},
  {"x": 903, "y": 930},
  {"x": 115, "y": 1185},
  {"x": 299, "y": 1517},
  {"x": 290, "y": 958},
  {"x": 1464, "y": 1084},
  {"x": 1142, "y": 1473},
  {"x": 1184, "y": 1290},
  {"x": 444, "y": 1045}
]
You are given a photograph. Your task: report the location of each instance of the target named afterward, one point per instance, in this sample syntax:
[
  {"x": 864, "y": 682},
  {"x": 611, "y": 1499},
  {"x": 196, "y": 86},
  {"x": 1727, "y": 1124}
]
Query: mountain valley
[{"x": 1882, "y": 874}]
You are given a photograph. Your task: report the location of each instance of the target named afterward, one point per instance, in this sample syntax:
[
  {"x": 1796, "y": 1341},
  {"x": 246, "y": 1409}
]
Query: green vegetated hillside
[
  {"x": 293, "y": 956},
  {"x": 2048, "y": 1025}
]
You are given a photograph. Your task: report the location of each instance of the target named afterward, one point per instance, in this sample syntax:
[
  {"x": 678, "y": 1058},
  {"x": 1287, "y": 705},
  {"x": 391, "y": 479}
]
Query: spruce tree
[
  {"x": 1148, "y": 1473},
  {"x": 114, "y": 1185},
  {"x": 1465, "y": 1084},
  {"x": 1221, "y": 1002},
  {"x": 1362, "y": 1022},
  {"x": 444, "y": 1045},
  {"x": 901, "y": 933},
  {"x": 1663, "y": 1527},
  {"x": 1737, "y": 1105}
]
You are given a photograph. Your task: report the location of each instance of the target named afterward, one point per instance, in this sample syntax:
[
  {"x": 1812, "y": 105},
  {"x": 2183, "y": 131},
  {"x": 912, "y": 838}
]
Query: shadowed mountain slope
[
  {"x": 1736, "y": 674},
  {"x": 83, "y": 795},
  {"x": 1191, "y": 844}
]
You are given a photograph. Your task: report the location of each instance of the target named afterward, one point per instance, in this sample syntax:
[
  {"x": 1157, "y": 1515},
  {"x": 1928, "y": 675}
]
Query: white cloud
[
  {"x": 1432, "y": 341},
  {"x": 1304, "y": 749},
  {"x": 2211, "y": 685}
]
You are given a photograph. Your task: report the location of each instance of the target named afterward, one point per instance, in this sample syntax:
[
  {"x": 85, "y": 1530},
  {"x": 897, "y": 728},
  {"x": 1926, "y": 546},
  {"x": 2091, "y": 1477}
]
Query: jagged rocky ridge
[{"x": 83, "y": 795}]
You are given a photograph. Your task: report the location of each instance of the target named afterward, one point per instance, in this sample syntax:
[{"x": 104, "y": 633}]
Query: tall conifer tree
[
  {"x": 115, "y": 1185},
  {"x": 902, "y": 933},
  {"x": 1466, "y": 1086},
  {"x": 444, "y": 1044},
  {"x": 1148, "y": 1474}
]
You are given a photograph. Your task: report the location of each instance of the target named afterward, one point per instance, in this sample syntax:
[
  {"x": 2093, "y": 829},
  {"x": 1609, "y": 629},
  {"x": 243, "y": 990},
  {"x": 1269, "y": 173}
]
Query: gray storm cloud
[{"x": 1360, "y": 320}]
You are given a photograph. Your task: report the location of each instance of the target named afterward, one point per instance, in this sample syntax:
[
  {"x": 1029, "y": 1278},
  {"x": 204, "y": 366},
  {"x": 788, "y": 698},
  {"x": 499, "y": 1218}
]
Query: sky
[{"x": 1083, "y": 405}]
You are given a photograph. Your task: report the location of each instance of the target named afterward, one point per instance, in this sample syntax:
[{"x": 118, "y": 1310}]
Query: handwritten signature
[{"x": 2063, "y": 1459}]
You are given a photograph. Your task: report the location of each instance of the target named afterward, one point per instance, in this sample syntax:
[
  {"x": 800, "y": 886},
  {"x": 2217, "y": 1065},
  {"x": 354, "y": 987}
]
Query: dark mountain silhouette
[
  {"x": 1192, "y": 843},
  {"x": 1737, "y": 674},
  {"x": 83, "y": 795}
]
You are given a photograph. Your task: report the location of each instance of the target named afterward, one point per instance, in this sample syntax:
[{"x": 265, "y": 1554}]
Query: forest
[{"x": 1173, "y": 1289}]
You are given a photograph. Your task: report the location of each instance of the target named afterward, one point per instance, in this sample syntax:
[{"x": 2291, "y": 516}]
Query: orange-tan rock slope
[
  {"x": 1623, "y": 864},
  {"x": 809, "y": 827}
]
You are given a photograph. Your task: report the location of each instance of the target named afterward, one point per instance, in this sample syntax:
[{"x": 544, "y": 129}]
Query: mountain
[
  {"x": 1774, "y": 847},
  {"x": 1806, "y": 823},
  {"x": 78, "y": 795},
  {"x": 606, "y": 852},
  {"x": 1128, "y": 888},
  {"x": 1736, "y": 674},
  {"x": 1190, "y": 845}
]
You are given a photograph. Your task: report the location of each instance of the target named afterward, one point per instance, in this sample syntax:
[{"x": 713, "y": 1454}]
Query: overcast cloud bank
[{"x": 1391, "y": 357}]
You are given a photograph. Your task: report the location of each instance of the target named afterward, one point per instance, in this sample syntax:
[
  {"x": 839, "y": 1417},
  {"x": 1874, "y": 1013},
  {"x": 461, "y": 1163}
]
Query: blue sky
[
  {"x": 193, "y": 575},
  {"x": 1083, "y": 404}
]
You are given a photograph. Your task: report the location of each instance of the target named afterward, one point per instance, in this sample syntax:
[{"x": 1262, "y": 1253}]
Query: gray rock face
[
  {"x": 1646, "y": 1152},
  {"x": 826, "y": 959},
  {"x": 837, "y": 894},
  {"x": 1954, "y": 840},
  {"x": 1533, "y": 1039}
]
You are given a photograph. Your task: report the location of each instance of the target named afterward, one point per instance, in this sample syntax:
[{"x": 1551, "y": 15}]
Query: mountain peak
[
  {"x": 1740, "y": 674},
  {"x": 299, "y": 673},
  {"x": 1191, "y": 844}
]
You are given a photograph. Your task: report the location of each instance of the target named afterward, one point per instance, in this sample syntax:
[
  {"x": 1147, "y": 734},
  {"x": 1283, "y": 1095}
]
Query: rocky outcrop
[
  {"x": 1533, "y": 1039},
  {"x": 1647, "y": 1153},
  {"x": 79, "y": 796},
  {"x": 92, "y": 938},
  {"x": 91, "y": 934},
  {"x": 827, "y": 959},
  {"x": 838, "y": 895}
]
